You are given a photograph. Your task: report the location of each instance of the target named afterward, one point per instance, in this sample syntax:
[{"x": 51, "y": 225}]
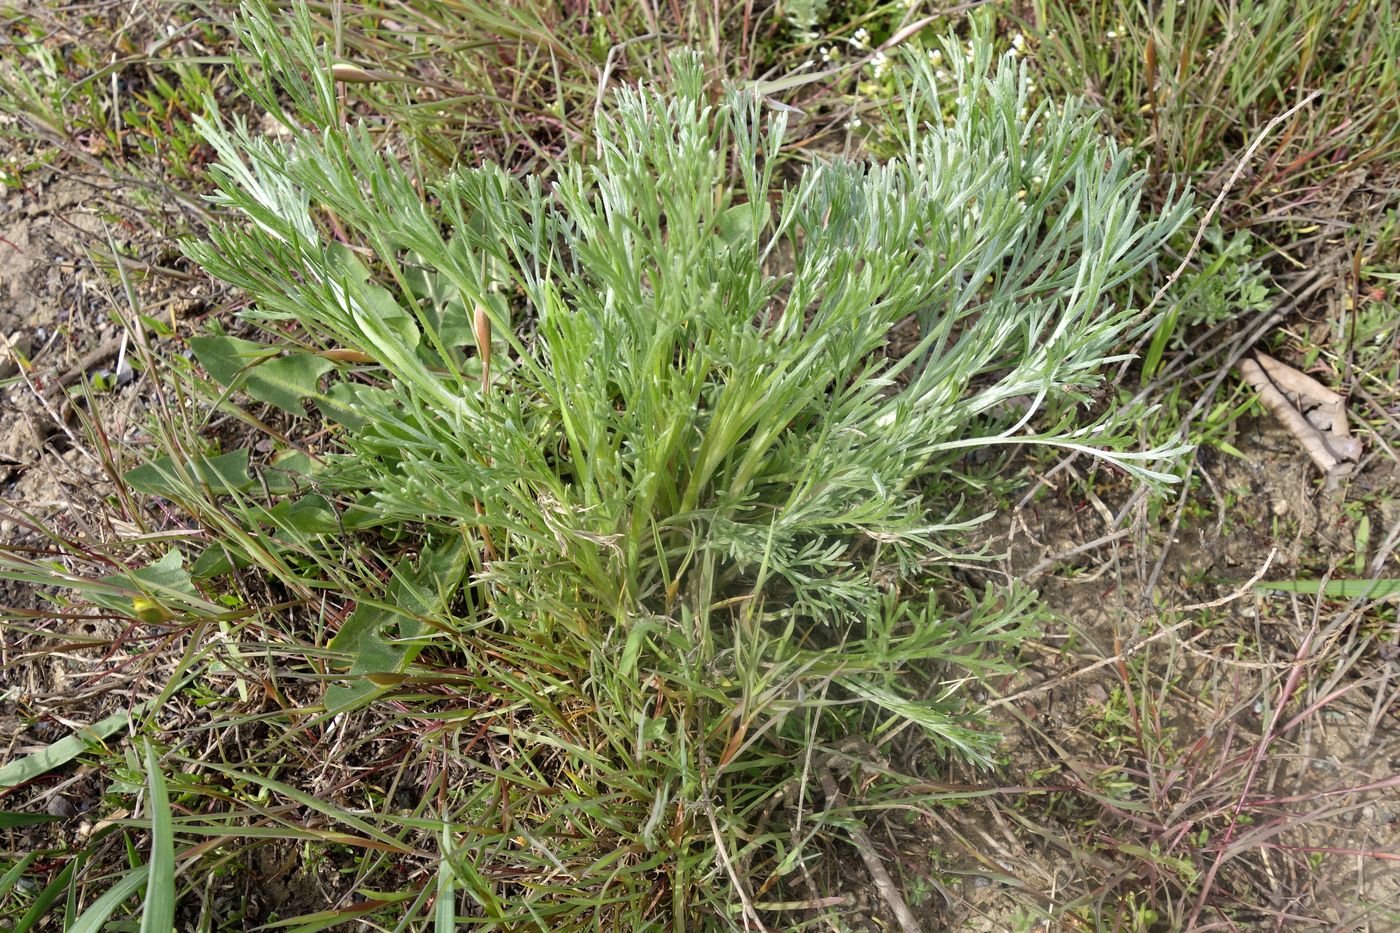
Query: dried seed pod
[
  {"x": 352, "y": 74},
  {"x": 341, "y": 355},
  {"x": 148, "y": 610},
  {"x": 481, "y": 327}
]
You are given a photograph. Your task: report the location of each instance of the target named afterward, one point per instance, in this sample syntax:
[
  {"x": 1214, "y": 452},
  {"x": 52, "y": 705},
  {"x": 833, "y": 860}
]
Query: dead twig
[
  {"x": 889, "y": 891},
  {"x": 85, "y": 365},
  {"x": 1098, "y": 542},
  {"x": 1242, "y": 591},
  {"x": 1224, "y": 193},
  {"x": 1138, "y": 646},
  {"x": 745, "y": 903}
]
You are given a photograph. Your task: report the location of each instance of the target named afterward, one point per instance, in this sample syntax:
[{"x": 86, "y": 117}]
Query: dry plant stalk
[
  {"x": 481, "y": 329},
  {"x": 889, "y": 891}
]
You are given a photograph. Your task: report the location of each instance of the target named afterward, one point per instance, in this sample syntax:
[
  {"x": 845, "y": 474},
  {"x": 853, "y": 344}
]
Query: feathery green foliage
[
  {"x": 634, "y": 449},
  {"x": 707, "y": 384}
]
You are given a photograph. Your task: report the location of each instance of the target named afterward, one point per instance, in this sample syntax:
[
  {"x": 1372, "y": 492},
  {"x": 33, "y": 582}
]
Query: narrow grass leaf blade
[
  {"x": 95, "y": 917},
  {"x": 444, "y": 908},
  {"x": 315, "y": 803},
  {"x": 11, "y": 877},
  {"x": 60, "y": 752},
  {"x": 10, "y": 820},
  {"x": 159, "y": 913},
  {"x": 37, "y": 910},
  {"x": 1335, "y": 589}
]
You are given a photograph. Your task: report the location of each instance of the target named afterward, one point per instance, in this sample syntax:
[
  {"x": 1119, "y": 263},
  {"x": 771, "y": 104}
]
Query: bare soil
[{"x": 1181, "y": 754}]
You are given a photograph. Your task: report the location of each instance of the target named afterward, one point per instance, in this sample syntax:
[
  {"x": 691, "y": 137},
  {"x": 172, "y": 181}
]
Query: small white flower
[
  {"x": 830, "y": 54},
  {"x": 941, "y": 75},
  {"x": 880, "y": 64},
  {"x": 861, "y": 39},
  {"x": 1112, "y": 34},
  {"x": 1018, "y": 42},
  {"x": 1037, "y": 180},
  {"x": 935, "y": 56},
  {"x": 853, "y": 123}
]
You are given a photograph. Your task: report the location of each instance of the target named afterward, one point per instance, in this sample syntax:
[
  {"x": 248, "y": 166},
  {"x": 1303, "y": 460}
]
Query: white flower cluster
[
  {"x": 935, "y": 58},
  {"x": 1030, "y": 87}
]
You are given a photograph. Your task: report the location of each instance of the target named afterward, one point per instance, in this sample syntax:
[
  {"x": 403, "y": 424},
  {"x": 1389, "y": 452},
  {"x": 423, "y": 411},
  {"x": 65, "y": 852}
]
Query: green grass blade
[
  {"x": 37, "y": 910},
  {"x": 11, "y": 877},
  {"x": 159, "y": 913},
  {"x": 11, "y": 820},
  {"x": 95, "y": 917},
  {"x": 1335, "y": 589},
  {"x": 444, "y": 908},
  {"x": 60, "y": 752}
]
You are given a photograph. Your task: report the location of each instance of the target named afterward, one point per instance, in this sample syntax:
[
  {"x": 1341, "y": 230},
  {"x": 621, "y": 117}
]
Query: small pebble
[{"x": 61, "y": 806}]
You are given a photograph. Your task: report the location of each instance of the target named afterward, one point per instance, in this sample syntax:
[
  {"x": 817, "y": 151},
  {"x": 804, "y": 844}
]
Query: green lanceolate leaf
[
  {"x": 10, "y": 820},
  {"x": 378, "y": 640},
  {"x": 346, "y": 403},
  {"x": 310, "y": 515},
  {"x": 222, "y": 474},
  {"x": 61, "y": 752},
  {"x": 217, "y": 560},
  {"x": 153, "y": 593},
  {"x": 284, "y": 381}
]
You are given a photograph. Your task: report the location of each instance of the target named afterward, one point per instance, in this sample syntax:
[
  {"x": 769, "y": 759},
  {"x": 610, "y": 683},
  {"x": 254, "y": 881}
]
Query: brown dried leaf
[{"x": 1314, "y": 414}]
